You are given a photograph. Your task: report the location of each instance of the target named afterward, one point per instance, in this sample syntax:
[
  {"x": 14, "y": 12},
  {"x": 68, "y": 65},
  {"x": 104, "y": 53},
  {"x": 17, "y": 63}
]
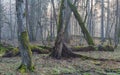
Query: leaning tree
[{"x": 60, "y": 49}]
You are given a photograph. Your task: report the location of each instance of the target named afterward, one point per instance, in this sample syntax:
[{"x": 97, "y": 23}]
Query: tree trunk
[
  {"x": 27, "y": 16},
  {"x": 24, "y": 46},
  {"x": 108, "y": 18},
  {"x": 54, "y": 12},
  {"x": 116, "y": 33},
  {"x": 26, "y": 53},
  {"x": 0, "y": 33},
  {"x": 87, "y": 36},
  {"x": 1, "y": 22},
  {"x": 67, "y": 23},
  {"x": 60, "y": 49},
  {"x": 32, "y": 21},
  {"x": 102, "y": 22}
]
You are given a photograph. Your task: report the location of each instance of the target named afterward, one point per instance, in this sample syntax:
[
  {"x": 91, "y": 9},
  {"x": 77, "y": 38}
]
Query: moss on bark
[
  {"x": 87, "y": 36},
  {"x": 23, "y": 69},
  {"x": 25, "y": 42},
  {"x": 26, "y": 53},
  {"x": 39, "y": 50}
]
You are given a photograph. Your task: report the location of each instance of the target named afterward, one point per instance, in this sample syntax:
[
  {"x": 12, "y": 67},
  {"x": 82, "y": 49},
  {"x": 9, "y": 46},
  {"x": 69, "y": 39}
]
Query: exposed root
[{"x": 23, "y": 68}]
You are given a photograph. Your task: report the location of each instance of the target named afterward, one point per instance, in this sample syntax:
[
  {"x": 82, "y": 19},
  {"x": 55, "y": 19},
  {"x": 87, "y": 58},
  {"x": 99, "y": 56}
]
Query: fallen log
[
  {"x": 35, "y": 49},
  {"x": 93, "y": 48}
]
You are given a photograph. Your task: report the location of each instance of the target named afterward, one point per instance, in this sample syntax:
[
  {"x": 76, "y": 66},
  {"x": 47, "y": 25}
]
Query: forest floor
[{"x": 71, "y": 66}]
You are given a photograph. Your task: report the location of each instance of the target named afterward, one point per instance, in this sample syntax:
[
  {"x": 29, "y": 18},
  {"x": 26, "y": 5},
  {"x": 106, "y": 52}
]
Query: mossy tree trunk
[
  {"x": 24, "y": 46},
  {"x": 60, "y": 49},
  {"x": 57, "y": 50},
  {"x": 85, "y": 32}
]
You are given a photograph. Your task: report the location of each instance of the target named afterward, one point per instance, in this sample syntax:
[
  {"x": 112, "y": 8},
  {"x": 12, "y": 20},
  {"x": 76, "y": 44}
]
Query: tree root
[
  {"x": 23, "y": 68},
  {"x": 67, "y": 53}
]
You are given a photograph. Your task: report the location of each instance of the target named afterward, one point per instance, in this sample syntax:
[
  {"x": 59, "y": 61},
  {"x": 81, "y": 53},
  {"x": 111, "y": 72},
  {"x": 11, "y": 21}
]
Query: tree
[
  {"x": 116, "y": 34},
  {"x": 54, "y": 12},
  {"x": 60, "y": 49},
  {"x": 24, "y": 45},
  {"x": 86, "y": 34},
  {"x": 10, "y": 22},
  {"x": 108, "y": 16},
  {"x": 32, "y": 21},
  {"x": 102, "y": 21},
  {"x": 67, "y": 23},
  {"x": 1, "y": 19}
]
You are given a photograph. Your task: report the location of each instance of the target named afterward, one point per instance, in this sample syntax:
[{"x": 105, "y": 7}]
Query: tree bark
[
  {"x": 32, "y": 21},
  {"x": 54, "y": 12},
  {"x": 116, "y": 33},
  {"x": 60, "y": 49},
  {"x": 86, "y": 34},
  {"x": 102, "y": 22},
  {"x": 24, "y": 46},
  {"x": 1, "y": 20},
  {"x": 67, "y": 23}
]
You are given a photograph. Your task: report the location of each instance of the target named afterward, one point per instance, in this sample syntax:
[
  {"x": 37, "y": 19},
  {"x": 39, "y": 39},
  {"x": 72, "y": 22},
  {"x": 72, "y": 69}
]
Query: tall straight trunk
[
  {"x": 27, "y": 15},
  {"x": 0, "y": 32},
  {"x": 54, "y": 12},
  {"x": 89, "y": 16},
  {"x": 102, "y": 21},
  {"x": 1, "y": 21},
  {"x": 116, "y": 33},
  {"x": 108, "y": 16},
  {"x": 51, "y": 25},
  {"x": 32, "y": 20},
  {"x": 24, "y": 45},
  {"x": 55, "y": 17},
  {"x": 92, "y": 24},
  {"x": 39, "y": 21},
  {"x": 86, "y": 34},
  {"x": 11, "y": 27},
  {"x": 67, "y": 23}
]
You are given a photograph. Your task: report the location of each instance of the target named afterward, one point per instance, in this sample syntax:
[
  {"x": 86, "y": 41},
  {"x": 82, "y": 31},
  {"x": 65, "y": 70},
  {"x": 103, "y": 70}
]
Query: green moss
[
  {"x": 63, "y": 70},
  {"x": 15, "y": 51},
  {"x": 86, "y": 74},
  {"x": 25, "y": 42},
  {"x": 24, "y": 69},
  {"x": 2, "y": 49},
  {"x": 33, "y": 47},
  {"x": 96, "y": 48},
  {"x": 87, "y": 36},
  {"x": 45, "y": 47},
  {"x": 78, "y": 46},
  {"x": 8, "y": 49},
  {"x": 113, "y": 70}
]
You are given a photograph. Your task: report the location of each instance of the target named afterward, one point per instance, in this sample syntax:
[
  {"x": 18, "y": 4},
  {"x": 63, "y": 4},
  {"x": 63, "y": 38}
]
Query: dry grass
[
  {"x": 49, "y": 66},
  {"x": 71, "y": 66}
]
